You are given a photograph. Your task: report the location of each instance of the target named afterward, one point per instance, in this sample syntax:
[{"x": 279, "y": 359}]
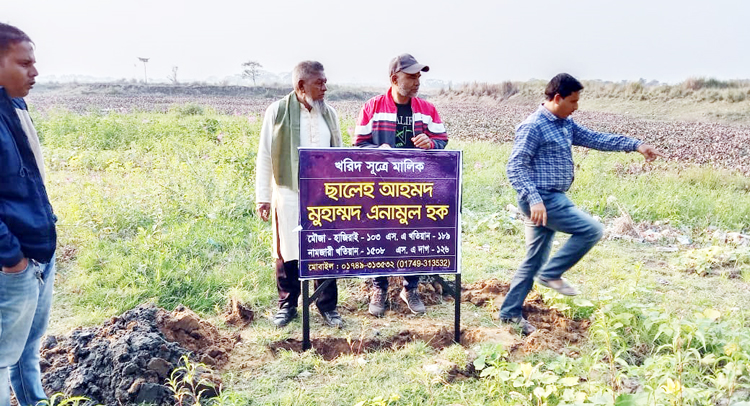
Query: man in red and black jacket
[{"x": 399, "y": 119}]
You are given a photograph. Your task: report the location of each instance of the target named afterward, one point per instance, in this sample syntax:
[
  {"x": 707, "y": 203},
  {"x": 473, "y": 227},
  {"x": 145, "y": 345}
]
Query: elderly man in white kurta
[{"x": 301, "y": 119}]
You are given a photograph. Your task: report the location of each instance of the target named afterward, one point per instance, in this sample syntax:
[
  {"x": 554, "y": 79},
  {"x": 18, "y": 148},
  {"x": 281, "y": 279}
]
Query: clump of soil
[
  {"x": 483, "y": 292},
  {"x": 238, "y": 314},
  {"x": 555, "y": 331},
  {"x": 433, "y": 289},
  {"x": 332, "y": 347},
  {"x": 128, "y": 359},
  {"x": 197, "y": 336}
]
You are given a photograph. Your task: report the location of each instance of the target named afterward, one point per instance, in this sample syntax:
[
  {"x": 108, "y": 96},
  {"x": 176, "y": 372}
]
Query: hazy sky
[{"x": 461, "y": 40}]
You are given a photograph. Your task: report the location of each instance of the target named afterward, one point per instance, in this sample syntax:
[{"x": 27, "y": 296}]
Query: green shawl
[{"x": 285, "y": 140}]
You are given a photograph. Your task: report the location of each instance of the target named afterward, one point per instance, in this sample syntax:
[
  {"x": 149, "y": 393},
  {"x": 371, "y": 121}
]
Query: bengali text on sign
[{"x": 379, "y": 212}]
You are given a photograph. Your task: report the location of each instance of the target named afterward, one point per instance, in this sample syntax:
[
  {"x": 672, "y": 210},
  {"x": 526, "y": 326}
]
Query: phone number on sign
[{"x": 402, "y": 263}]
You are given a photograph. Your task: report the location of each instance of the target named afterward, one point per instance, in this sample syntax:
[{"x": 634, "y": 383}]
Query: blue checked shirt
[{"x": 542, "y": 156}]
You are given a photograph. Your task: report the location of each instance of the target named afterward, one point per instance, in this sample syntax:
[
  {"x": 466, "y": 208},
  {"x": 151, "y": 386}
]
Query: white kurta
[{"x": 314, "y": 132}]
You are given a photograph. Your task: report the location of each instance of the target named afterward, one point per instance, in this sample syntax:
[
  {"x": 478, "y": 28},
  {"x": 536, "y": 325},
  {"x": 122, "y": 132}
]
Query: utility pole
[{"x": 145, "y": 76}]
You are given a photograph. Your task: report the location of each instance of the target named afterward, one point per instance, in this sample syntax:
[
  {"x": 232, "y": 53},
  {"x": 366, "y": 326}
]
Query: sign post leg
[
  {"x": 457, "y": 300},
  {"x": 305, "y": 315}
]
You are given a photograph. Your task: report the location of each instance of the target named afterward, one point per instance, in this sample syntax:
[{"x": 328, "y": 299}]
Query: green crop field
[{"x": 158, "y": 207}]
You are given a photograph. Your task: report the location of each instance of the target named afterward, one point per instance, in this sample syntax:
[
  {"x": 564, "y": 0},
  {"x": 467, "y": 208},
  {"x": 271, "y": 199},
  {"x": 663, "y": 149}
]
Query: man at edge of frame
[{"x": 28, "y": 236}]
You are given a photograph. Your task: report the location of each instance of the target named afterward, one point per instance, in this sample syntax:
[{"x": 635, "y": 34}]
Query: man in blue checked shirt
[{"x": 540, "y": 168}]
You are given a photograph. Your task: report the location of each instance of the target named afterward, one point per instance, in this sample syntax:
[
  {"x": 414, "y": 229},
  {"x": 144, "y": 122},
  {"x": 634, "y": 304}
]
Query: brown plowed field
[{"x": 722, "y": 145}]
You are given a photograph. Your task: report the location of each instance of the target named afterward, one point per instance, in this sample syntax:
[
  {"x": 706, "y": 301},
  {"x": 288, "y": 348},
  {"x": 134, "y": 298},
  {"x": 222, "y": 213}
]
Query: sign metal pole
[{"x": 305, "y": 315}]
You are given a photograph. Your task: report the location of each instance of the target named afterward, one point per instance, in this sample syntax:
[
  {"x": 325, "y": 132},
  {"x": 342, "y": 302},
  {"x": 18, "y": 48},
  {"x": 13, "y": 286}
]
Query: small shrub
[
  {"x": 498, "y": 91},
  {"x": 706, "y": 261},
  {"x": 188, "y": 109},
  {"x": 60, "y": 399},
  {"x": 634, "y": 87},
  {"x": 736, "y": 96},
  {"x": 189, "y": 384}
]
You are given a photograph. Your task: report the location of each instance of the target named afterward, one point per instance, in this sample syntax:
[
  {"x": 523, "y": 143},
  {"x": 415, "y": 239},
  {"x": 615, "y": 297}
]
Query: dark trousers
[
  {"x": 288, "y": 284},
  {"x": 410, "y": 282}
]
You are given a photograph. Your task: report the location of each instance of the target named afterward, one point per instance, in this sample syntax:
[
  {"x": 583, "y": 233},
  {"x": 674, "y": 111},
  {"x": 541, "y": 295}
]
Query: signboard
[{"x": 379, "y": 212}]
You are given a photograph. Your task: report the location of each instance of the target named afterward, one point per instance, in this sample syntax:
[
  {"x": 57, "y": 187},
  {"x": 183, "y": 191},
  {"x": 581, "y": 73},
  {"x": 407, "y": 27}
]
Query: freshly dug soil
[
  {"x": 128, "y": 359},
  {"x": 555, "y": 332}
]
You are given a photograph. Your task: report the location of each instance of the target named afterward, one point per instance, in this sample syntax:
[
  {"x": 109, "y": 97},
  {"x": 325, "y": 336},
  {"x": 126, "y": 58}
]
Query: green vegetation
[
  {"x": 160, "y": 207},
  {"x": 696, "y": 89},
  {"x": 157, "y": 207},
  {"x": 692, "y": 197},
  {"x": 188, "y": 383}
]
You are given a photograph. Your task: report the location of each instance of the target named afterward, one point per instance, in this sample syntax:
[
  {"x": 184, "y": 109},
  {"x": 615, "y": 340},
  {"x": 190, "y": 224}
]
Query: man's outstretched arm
[{"x": 588, "y": 138}]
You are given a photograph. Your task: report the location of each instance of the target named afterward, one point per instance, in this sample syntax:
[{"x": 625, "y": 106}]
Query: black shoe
[
  {"x": 377, "y": 302},
  {"x": 411, "y": 298},
  {"x": 284, "y": 316},
  {"x": 526, "y": 327},
  {"x": 333, "y": 319}
]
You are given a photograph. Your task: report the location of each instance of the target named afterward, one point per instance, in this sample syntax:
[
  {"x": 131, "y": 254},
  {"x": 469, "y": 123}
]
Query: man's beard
[
  {"x": 405, "y": 93},
  {"x": 316, "y": 104}
]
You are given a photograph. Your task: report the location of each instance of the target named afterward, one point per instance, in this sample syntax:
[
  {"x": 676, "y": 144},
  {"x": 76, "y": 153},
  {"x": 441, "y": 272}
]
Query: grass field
[{"x": 159, "y": 207}]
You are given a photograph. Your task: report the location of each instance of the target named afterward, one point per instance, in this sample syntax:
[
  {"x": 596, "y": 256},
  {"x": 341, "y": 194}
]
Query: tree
[
  {"x": 252, "y": 70},
  {"x": 145, "y": 76},
  {"x": 173, "y": 77}
]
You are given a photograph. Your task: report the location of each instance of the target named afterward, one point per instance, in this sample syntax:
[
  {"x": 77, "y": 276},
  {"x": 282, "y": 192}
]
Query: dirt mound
[
  {"x": 128, "y": 359},
  {"x": 481, "y": 292},
  {"x": 197, "y": 336},
  {"x": 433, "y": 289},
  {"x": 555, "y": 331}
]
